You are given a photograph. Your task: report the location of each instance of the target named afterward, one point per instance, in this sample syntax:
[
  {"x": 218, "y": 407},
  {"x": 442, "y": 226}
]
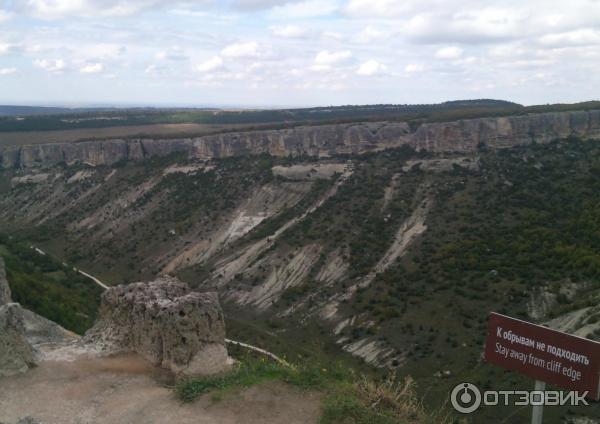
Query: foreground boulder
[{"x": 166, "y": 322}]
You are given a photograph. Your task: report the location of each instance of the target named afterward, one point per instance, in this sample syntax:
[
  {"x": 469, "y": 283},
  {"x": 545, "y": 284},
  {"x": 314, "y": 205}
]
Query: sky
[{"x": 285, "y": 53}]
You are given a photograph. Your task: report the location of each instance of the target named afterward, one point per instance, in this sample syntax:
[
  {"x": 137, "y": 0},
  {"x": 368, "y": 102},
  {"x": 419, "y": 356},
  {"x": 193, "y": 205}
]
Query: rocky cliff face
[
  {"x": 4, "y": 289},
  {"x": 16, "y": 355},
  {"x": 164, "y": 321},
  {"x": 460, "y": 136}
]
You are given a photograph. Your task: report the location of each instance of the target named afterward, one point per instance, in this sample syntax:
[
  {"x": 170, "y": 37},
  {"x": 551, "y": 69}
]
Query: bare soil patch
[{"x": 126, "y": 389}]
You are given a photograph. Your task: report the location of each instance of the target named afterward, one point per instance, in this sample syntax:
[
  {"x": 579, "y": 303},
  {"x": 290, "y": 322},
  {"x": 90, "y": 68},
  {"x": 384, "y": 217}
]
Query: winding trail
[
  {"x": 91, "y": 277},
  {"x": 85, "y": 274},
  {"x": 259, "y": 350}
]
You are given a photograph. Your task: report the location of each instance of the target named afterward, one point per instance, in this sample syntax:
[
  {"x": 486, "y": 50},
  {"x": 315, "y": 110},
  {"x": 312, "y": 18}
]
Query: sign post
[
  {"x": 548, "y": 356},
  {"x": 538, "y": 409}
]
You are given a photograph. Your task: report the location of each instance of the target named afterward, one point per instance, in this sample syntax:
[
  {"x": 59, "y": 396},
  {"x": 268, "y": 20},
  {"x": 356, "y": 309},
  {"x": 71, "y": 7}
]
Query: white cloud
[
  {"x": 8, "y": 48},
  {"x": 451, "y": 52},
  {"x": 327, "y": 58},
  {"x": 256, "y": 66},
  {"x": 59, "y": 9},
  {"x": 156, "y": 70},
  {"x": 5, "y": 16},
  {"x": 370, "y": 34},
  {"x": 333, "y": 35},
  {"x": 443, "y": 24},
  {"x": 253, "y": 5},
  {"x": 174, "y": 54},
  {"x": 7, "y": 71},
  {"x": 210, "y": 65},
  {"x": 580, "y": 37},
  {"x": 476, "y": 22},
  {"x": 370, "y": 68},
  {"x": 378, "y": 8},
  {"x": 414, "y": 67},
  {"x": 51, "y": 65},
  {"x": 248, "y": 49},
  {"x": 92, "y": 68},
  {"x": 102, "y": 51},
  {"x": 305, "y": 9},
  {"x": 289, "y": 31}
]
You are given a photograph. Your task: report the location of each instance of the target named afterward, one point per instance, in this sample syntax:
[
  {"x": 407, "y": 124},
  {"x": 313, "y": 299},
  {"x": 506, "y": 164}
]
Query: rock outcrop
[
  {"x": 4, "y": 288},
  {"x": 167, "y": 323},
  {"x": 463, "y": 136},
  {"x": 16, "y": 354}
]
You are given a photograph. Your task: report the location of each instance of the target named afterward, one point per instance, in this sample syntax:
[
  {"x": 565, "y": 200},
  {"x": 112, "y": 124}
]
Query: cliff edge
[{"x": 464, "y": 136}]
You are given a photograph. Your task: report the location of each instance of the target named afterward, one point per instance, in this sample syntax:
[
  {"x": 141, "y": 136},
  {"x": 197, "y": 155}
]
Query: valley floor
[{"x": 126, "y": 389}]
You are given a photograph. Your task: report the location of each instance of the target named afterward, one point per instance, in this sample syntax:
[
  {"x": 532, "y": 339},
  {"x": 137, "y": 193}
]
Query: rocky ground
[{"x": 127, "y": 389}]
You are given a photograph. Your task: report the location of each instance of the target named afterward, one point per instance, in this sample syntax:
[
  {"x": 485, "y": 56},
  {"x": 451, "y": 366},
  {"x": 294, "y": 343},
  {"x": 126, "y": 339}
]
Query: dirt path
[
  {"x": 128, "y": 390},
  {"x": 85, "y": 274}
]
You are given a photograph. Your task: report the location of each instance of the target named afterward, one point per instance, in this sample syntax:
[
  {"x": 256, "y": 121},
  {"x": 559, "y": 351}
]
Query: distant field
[
  {"x": 116, "y": 123},
  {"x": 36, "y": 137}
]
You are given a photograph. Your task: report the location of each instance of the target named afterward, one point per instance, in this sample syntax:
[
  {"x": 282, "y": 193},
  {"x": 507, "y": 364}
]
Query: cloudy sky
[{"x": 297, "y": 52}]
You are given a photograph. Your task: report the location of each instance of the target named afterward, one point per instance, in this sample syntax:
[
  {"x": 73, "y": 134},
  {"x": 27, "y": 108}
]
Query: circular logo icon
[{"x": 465, "y": 398}]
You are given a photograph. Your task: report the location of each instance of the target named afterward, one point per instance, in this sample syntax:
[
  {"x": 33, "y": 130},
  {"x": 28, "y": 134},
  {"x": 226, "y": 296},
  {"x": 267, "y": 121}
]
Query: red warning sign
[{"x": 561, "y": 359}]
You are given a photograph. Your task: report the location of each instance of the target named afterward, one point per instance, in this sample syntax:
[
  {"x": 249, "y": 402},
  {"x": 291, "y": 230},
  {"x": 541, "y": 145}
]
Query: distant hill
[
  {"x": 24, "y": 118},
  {"x": 9, "y": 110},
  {"x": 12, "y": 110}
]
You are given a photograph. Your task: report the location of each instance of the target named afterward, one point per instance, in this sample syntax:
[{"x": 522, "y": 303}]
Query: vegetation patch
[
  {"x": 348, "y": 397},
  {"x": 49, "y": 288}
]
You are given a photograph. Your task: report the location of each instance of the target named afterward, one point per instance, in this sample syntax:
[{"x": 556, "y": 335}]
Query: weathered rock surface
[
  {"x": 4, "y": 288},
  {"x": 459, "y": 136},
  {"x": 43, "y": 334},
  {"x": 164, "y": 321},
  {"x": 16, "y": 354}
]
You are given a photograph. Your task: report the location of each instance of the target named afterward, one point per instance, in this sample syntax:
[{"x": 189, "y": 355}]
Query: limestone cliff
[{"x": 459, "y": 136}]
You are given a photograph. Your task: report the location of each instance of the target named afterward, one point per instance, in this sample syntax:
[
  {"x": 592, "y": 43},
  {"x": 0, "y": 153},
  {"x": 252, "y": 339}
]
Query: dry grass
[{"x": 398, "y": 400}]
